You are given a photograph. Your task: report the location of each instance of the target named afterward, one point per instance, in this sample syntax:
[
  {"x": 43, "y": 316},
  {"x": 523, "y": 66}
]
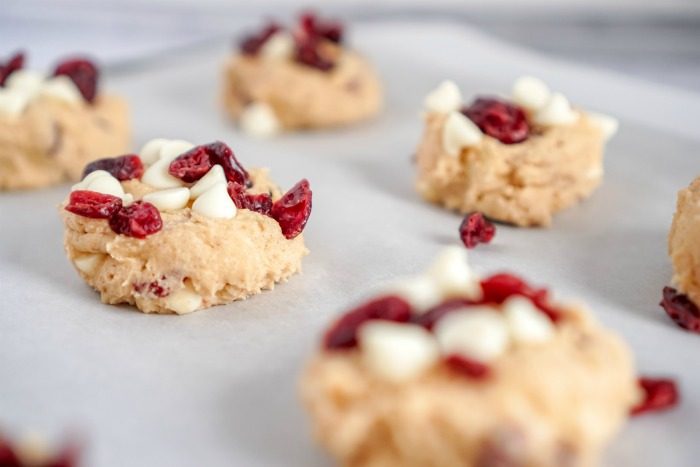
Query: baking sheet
[{"x": 218, "y": 387}]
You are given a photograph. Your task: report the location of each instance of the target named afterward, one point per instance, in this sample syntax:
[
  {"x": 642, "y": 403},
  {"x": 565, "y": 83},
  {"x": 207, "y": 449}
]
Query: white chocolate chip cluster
[
  {"x": 397, "y": 351},
  {"x": 25, "y": 86},
  {"x": 543, "y": 107},
  {"x": 209, "y": 194}
]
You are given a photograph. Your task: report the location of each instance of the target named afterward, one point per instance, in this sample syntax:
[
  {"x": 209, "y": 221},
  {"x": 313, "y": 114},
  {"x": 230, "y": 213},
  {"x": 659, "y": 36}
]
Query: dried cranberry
[
  {"x": 155, "y": 288},
  {"x": 293, "y": 209},
  {"x": 8, "y": 457},
  {"x": 313, "y": 26},
  {"x": 122, "y": 167},
  {"x": 192, "y": 165},
  {"x": 435, "y": 314},
  {"x": 93, "y": 204},
  {"x": 251, "y": 44},
  {"x": 137, "y": 220},
  {"x": 659, "y": 394},
  {"x": 681, "y": 310},
  {"x": 499, "y": 287},
  {"x": 307, "y": 53},
  {"x": 475, "y": 229},
  {"x": 83, "y": 73},
  {"x": 261, "y": 203},
  {"x": 16, "y": 62},
  {"x": 467, "y": 366},
  {"x": 343, "y": 333},
  {"x": 502, "y": 120},
  {"x": 221, "y": 154}
]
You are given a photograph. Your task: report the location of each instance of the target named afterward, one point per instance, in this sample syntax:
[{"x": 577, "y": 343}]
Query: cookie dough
[
  {"x": 524, "y": 180},
  {"x": 49, "y": 132},
  {"x": 684, "y": 243},
  {"x": 490, "y": 380},
  {"x": 207, "y": 252},
  {"x": 272, "y": 88}
]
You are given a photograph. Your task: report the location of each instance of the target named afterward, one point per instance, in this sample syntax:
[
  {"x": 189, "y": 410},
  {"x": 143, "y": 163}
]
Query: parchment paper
[{"x": 218, "y": 387}]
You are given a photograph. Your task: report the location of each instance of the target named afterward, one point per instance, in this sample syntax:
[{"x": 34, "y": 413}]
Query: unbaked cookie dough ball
[
  {"x": 52, "y": 125},
  {"x": 516, "y": 160},
  {"x": 181, "y": 227},
  {"x": 302, "y": 77},
  {"x": 448, "y": 369},
  {"x": 682, "y": 302}
]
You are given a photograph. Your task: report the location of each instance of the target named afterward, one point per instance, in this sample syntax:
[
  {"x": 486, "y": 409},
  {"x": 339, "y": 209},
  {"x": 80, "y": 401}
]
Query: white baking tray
[{"x": 218, "y": 387}]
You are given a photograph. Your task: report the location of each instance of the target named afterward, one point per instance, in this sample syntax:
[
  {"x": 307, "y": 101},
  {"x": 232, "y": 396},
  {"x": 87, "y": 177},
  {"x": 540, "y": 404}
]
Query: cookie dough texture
[
  {"x": 553, "y": 404},
  {"x": 220, "y": 260},
  {"x": 684, "y": 242},
  {"x": 304, "y": 97},
  {"x": 523, "y": 184},
  {"x": 52, "y": 140}
]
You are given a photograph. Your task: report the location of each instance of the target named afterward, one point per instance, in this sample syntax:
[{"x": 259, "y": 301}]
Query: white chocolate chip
[
  {"x": 278, "y": 47},
  {"x": 215, "y": 202},
  {"x": 12, "y": 103},
  {"x": 459, "y": 132},
  {"x": 150, "y": 152},
  {"x": 107, "y": 185},
  {"x": 422, "y": 292},
  {"x": 82, "y": 185},
  {"x": 157, "y": 175},
  {"x": 172, "y": 149},
  {"x": 214, "y": 176},
  {"x": 258, "y": 119},
  {"x": 452, "y": 274},
  {"x": 557, "y": 111},
  {"x": 480, "y": 333},
  {"x": 609, "y": 125},
  {"x": 63, "y": 88},
  {"x": 88, "y": 262},
  {"x": 170, "y": 199},
  {"x": 531, "y": 93},
  {"x": 127, "y": 199},
  {"x": 183, "y": 301},
  {"x": 443, "y": 99},
  {"x": 526, "y": 323},
  {"x": 27, "y": 81},
  {"x": 396, "y": 352}
]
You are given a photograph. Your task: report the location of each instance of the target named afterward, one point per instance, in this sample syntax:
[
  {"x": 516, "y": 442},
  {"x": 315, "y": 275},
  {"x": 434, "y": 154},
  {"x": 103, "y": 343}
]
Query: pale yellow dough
[
  {"x": 220, "y": 260},
  {"x": 52, "y": 141},
  {"x": 523, "y": 184},
  {"x": 684, "y": 242},
  {"x": 303, "y": 97},
  {"x": 553, "y": 404}
]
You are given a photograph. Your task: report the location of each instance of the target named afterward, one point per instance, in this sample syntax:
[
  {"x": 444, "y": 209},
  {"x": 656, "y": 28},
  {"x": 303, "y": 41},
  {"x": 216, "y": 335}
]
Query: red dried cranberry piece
[
  {"x": 8, "y": 457},
  {"x": 475, "y": 229},
  {"x": 93, "y": 204},
  {"x": 502, "y": 120},
  {"x": 467, "y": 367},
  {"x": 83, "y": 73},
  {"x": 122, "y": 168},
  {"x": 343, "y": 333},
  {"x": 251, "y": 44},
  {"x": 138, "y": 220},
  {"x": 681, "y": 310},
  {"x": 293, "y": 209},
  {"x": 307, "y": 53},
  {"x": 499, "y": 287},
  {"x": 261, "y": 203},
  {"x": 435, "y": 314},
  {"x": 192, "y": 165},
  {"x": 16, "y": 62},
  {"x": 221, "y": 154},
  {"x": 153, "y": 288},
  {"x": 659, "y": 394},
  {"x": 313, "y": 26}
]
